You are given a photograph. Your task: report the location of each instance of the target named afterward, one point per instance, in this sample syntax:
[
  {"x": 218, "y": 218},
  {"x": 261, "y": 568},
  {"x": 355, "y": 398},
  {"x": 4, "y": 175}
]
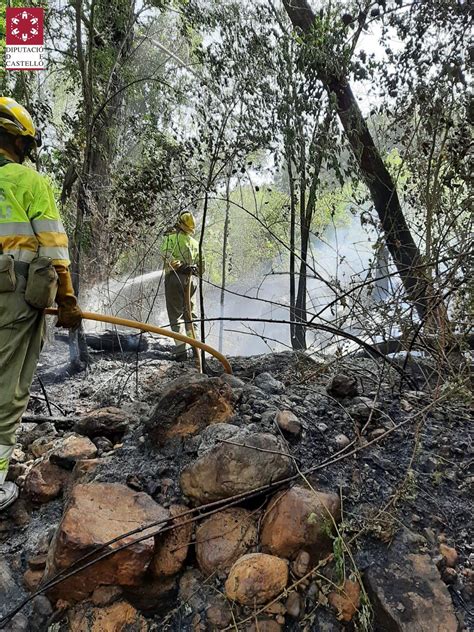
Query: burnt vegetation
[{"x": 325, "y": 150}]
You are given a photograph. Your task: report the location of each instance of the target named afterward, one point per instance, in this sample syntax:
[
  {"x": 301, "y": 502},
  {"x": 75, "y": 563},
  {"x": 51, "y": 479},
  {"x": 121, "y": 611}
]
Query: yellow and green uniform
[
  {"x": 179, "y": 249},
  {"x": 30, "y": 226}
]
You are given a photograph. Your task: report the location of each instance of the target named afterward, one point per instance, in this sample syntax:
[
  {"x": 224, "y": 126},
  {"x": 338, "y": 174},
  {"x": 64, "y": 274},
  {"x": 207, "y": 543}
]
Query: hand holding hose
[
  {"x": 69, "y": 314},
  {"x": 189, "y": 269}
]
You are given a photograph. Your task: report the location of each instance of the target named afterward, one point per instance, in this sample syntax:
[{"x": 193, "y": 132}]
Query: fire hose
[{"x": 125, "y": 322}]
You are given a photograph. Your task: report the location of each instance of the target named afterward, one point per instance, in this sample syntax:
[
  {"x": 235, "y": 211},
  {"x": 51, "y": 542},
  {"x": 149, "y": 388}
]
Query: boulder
[
  {"x": 45, "y": 482},
  {"x": 96, "y": 514},
  {"x": 300, "y": 519},
  {"x": 229, "y": 469},
  {"x": 216, "y": 434},
  {"x": 189, "y": 404},
  {"x": 119, "y": 617},
  {"x": 407, "y": 594},
  {"x": 256, "y": 578},
  {"x": 72, "y": 449},
  {"x": 107, "y": 422},
  {"x": 288, "y": 423},
  {"x": 346, "y": 601},
  {"x": 223, "y": 538},
  {"x": 268, "y": 384},
  {"x": 171, "y": 549},
  {"x": 341, "y": 385}
]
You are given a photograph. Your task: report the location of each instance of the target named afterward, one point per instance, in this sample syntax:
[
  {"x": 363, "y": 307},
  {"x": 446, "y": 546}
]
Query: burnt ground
[{"x": 418, "y": 479}]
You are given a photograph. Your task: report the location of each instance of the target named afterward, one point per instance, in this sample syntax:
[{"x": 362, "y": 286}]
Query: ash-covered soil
[{"x": 417, "y": 479}]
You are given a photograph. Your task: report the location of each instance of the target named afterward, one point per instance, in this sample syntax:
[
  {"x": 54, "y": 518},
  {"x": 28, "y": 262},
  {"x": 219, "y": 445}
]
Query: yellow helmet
[
  {"x": 186, "y": 222},
  {"x": 16, "y": 120}
]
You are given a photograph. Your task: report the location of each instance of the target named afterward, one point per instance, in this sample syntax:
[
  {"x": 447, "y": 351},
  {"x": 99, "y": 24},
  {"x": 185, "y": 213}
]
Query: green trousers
[
  {"x": 21, "y": 338},
  {"x": 176, "y": 291}
]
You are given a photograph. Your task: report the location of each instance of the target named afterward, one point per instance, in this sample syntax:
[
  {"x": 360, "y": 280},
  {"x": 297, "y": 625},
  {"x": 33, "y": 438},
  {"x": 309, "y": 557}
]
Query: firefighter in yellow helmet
[
  {"x": 181, "y": 258},
  {"x": 34, "y": 272}
]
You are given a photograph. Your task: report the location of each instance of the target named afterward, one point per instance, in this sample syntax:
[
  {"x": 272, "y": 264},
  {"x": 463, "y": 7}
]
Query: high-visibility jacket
[
  {"x": 30, "y": 224},
  {"x": 179, "y": 248}
]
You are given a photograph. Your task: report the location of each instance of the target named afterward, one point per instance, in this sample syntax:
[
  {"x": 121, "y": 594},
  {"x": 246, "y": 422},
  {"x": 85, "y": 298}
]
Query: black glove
[{"x": 185, "y": 269}]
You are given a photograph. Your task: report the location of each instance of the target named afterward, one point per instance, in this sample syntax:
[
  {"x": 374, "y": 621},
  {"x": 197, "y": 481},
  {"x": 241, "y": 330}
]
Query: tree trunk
[
  {"x": 291, "y": 184},
  {"x": 299, "y": 339},
  {"x": 224, "y": 260},
  {"x": 320, "y": 139},
  {"x": 399, "y": 240},
  {"x": 114, "y": 19},
  {"x": 201, "y": 282}
]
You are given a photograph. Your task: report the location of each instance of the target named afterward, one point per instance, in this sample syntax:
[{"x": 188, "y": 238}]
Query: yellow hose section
[{"x": 124, "y": 322}]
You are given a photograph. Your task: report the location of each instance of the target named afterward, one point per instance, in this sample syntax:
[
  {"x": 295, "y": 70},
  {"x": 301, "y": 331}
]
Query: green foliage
[
  {"x": 256, "y": 224},
  {"x": 338, "y": 548},
  {"x": 365, "y": 615}
]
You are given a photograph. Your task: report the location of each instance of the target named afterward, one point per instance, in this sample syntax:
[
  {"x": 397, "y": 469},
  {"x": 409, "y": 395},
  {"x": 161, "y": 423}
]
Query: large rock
[
  {"x": 256, "y": 578},
  {"x": 216, "y": 434},
  {"x": 45, "y": 482},
  {"x": 300, "y": 519},
  {"x": 407, "y": 594},
  {"x": 96, "y": 514},
  {"x": 172, "y": 547},
  {"x": 223, "y": 538},
  {"x": 230, "y": 469},
  {"x": 189, "y": 404},
  {"x": 341, "y": 386},
  {"x": 107, "y": 422},
  {"x": 72, "y": 449},
  {"x": 119, "y": 617}
]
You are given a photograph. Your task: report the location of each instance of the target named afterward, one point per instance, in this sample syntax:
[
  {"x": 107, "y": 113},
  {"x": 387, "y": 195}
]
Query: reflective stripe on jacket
[
  {"x": 179, "y": 248},
  {"x": 30, "y": 224}
]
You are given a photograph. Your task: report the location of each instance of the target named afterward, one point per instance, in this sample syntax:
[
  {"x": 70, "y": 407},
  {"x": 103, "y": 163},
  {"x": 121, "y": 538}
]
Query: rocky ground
[{"x": 293, "y": 495}]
